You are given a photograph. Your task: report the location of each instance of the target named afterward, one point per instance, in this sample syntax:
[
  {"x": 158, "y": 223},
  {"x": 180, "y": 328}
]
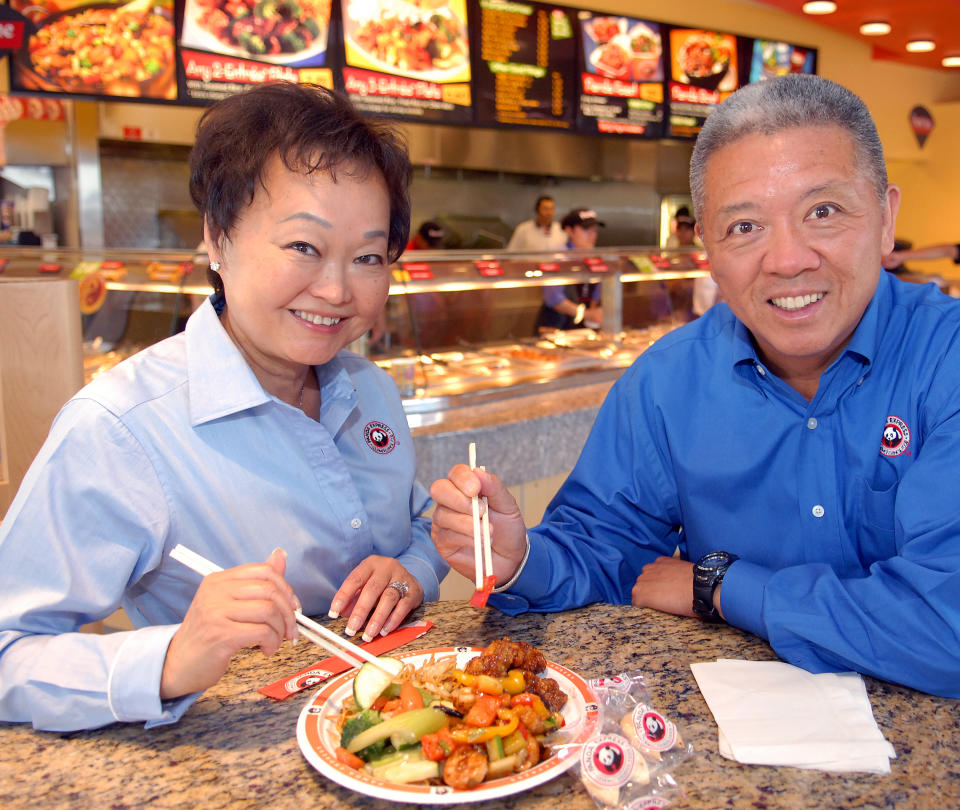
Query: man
[
  {"x": 575, "y": 305},
  {"x": 704, "y": 288},
  {"x": 540, "y": 233},
  {"x": 754, "y": 438}
]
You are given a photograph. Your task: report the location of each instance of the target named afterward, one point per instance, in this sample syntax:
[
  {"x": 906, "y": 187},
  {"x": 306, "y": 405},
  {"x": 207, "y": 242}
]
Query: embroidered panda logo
[
  {"x": 896, "y": 437},
  {"x": 379, "y": 437}
]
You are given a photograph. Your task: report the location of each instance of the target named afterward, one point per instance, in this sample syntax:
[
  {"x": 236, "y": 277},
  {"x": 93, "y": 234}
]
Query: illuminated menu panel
[
  {"x": 704, "y": 70},
  {"x": 621, "y": 76},
  {"x": 408, "y": 60},
  {"x": 102, "y": 49},
  {"x": 225, "y": 47},
  {"x": 526, "y": 65}
]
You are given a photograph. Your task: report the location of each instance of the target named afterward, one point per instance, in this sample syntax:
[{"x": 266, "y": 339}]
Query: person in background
[
  {"x": 541, "y": 233},
  {"x": 684, "y": 230},
  {"x": 574, "y": 306},
  {"x": 896, "y": 258},
  {"x": 251, "y": 428},
  {"x": 705, "y": 291},
  {"x": 798, "y": 444},
  {"x": 429, "y": 236}
]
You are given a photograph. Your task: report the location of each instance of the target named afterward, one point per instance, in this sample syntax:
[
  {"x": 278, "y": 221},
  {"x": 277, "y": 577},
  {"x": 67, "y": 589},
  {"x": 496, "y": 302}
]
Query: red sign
[
  {"x": 549, "y": 268},
  {"x": 418, "y": 270},
  {"x": 50, "y": 268},
  {"x": 489, "y": 268},
  {"x": 660, "y": 261},
  {"x": 11, "y": 35},
  {"x": 132, "y": 134},
  {"x": 596, "y": 265}
]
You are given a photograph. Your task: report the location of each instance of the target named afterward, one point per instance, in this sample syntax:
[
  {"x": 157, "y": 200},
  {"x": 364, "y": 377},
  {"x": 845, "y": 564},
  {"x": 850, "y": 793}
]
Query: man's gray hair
[{"x": 786, "y": 102}]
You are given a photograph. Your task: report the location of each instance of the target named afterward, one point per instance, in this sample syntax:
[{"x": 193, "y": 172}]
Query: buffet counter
[{"x": 236, "y": 748}]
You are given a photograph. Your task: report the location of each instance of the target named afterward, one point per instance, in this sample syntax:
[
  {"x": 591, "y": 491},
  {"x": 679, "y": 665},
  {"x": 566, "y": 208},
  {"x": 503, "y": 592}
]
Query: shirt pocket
[{"x": 875, "y": 528}]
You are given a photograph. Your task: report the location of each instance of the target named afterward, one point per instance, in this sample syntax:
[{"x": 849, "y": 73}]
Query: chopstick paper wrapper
[{"x": 328, "y": 667}]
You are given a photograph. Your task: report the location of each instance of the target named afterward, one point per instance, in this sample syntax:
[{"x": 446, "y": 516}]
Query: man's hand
[
  {"x": 250, "y": 605},
  {"x": 452, "y": 529},
  {"x": 666, "y": 585}
]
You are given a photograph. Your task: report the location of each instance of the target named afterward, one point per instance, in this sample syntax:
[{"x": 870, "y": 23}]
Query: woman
[{"x": 251, "y": 430}]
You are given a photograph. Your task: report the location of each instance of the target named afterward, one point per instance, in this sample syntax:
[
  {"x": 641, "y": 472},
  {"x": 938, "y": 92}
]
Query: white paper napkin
[{"x": 772, "y": 713}]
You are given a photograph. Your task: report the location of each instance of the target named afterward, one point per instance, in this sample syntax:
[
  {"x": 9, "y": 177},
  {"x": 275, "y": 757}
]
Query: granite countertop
[{"x": 236, "y": 748}]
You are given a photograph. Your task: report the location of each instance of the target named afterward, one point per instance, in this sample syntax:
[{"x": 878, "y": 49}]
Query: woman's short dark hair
[{"x": 311, "y": 129}]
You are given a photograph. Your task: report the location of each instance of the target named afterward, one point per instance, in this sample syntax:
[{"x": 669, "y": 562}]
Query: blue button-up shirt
[
  {"x": 181, "y": 444},
  {"x": 843, "y": 509}
]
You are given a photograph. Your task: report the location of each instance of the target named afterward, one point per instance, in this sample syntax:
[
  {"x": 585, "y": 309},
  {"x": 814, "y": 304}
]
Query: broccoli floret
[{"x": 363, "y": 721}]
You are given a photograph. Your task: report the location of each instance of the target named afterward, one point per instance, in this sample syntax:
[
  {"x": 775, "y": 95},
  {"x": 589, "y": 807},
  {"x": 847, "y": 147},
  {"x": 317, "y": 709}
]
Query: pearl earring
[{"x": 215, "y": 266}]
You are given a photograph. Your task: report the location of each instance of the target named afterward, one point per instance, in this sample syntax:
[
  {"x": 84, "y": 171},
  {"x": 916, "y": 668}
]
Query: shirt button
[
  {"x": 818, "y": 511},
  {"x": 356, "y": 523},
  {"x": 812, "y": 423},
  {"x": 761, "y": 370}
]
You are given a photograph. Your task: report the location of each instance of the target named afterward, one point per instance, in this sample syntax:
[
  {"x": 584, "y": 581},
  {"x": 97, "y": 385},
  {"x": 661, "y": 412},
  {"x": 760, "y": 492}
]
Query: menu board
[
  {"x": 703, "y": 72},
  {"x": 101, "y": 49},
  {"x": 228, "y": 45},
  {"x": 621, "y": 78},
  {"x": 408, "y": 59},
  {"x": 770, "y": 59},
  {"x": 526, "y": 68}
]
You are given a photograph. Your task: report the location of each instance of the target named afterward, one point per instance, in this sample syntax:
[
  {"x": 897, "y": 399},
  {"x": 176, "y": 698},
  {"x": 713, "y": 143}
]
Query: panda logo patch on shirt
[
  {"x": 379, "y": 437},
  {"x": 896, "y": 437}
]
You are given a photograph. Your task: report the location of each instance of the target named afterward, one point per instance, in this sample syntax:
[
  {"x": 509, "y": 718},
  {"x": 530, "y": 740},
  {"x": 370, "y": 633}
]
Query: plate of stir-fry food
[{"x": 449, "y": 725}]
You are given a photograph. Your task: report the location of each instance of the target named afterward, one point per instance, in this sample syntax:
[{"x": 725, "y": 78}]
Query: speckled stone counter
[{"x": 236, "y": 748}]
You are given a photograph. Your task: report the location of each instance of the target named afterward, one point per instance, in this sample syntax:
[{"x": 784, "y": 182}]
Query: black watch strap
[{"x": 708, "y": 573}]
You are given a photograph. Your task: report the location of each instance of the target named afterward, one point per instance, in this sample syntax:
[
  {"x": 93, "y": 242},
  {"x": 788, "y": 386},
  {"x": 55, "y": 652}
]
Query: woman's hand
[
  {"x": 250, "y": 605},
  {"x": 367, "y": 588},
  {"x": 452, "y": 529}
]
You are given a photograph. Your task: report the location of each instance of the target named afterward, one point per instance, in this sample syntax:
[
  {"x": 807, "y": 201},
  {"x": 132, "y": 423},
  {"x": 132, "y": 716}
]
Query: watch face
[{"x": 714, "y": 560}]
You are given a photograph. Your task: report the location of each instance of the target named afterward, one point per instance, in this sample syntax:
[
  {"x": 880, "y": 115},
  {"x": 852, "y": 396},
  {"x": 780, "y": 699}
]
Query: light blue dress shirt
[
  {"x": 181, "y": 444},
  {"x": 843, "y": 510}
]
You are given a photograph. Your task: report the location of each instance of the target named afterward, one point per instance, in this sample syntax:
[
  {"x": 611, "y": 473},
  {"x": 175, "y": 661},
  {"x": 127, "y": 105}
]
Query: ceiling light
[
  {"x": 875, "y": 29},
  {"x": 950, "y": 61},
  {"x": 921, "y": 45},
  {"x": 819, "y": 7}
]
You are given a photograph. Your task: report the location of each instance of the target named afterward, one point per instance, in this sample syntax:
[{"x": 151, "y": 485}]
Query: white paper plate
[{"x": 318, "y": 738}]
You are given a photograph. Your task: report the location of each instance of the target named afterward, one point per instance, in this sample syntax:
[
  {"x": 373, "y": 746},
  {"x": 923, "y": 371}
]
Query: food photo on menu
[
  {"x": 279, "y": 32},
  {"x": 770, "y": 59},
  {"x": 420, "y": 39},
  {"x": 704, "y": 59},
  {"x": 623, "y": 48},
  {"x": 121, "y": 49}
]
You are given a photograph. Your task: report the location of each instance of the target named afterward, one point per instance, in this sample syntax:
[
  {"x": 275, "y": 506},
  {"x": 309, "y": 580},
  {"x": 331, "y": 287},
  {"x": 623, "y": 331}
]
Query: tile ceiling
[{"x": 938, "y": 20}]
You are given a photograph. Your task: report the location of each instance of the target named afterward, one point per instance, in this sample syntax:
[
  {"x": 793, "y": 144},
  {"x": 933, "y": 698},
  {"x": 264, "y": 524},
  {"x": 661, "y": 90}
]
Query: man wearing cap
[
  {"x": 574, "y": 305},
  {"x": 541, "y": 233},
  {"x": 797, "y": 446}
]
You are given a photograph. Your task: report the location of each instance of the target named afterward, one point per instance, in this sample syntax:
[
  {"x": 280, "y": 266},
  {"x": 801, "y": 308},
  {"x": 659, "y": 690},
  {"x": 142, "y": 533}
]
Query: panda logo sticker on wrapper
[{"x": 607, "y": 764}]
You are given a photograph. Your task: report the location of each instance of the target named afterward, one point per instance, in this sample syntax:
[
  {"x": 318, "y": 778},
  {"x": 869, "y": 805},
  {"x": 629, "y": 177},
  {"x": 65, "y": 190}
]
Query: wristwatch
[{"x": 708, "y": 573}]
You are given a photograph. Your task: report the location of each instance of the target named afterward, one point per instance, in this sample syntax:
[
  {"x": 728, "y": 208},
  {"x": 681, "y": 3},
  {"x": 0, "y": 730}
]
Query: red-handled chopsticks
[{"x": 482, "y": 553}]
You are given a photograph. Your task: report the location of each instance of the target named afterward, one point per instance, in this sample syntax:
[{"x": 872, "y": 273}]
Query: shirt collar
[
  {"x": 221, "y": 382},
  {"x": 865, "y": 340}
]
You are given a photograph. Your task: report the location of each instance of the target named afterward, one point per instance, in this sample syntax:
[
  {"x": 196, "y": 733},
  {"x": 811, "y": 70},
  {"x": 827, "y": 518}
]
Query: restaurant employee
[{"x": 799, "y": 443}]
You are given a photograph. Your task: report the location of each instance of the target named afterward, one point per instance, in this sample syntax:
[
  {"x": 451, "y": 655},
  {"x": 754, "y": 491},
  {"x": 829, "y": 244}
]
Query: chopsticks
[
  {"x": 309, "y": 629},
  {"x": 482, "y": 552}
]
